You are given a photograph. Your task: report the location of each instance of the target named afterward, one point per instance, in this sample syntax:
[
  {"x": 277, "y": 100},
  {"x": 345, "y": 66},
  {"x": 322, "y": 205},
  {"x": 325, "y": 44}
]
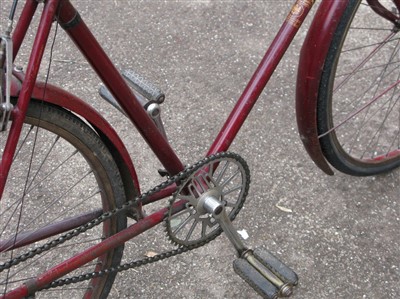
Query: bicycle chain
[{"x": 131, "y": 203}]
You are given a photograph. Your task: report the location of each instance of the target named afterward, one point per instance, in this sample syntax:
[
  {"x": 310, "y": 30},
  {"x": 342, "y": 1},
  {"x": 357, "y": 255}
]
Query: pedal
[
  {"x": 280, "y": 269},
  {"x": 266, "y": 274},
  {"x": 144, "y": 87},
  {"x": 147, "y": 94}
]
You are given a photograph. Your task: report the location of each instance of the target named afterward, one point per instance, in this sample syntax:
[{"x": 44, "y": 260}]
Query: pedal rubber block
[
  {"x": 258, "y": 282},
  {"x": 276, "y": 266}
]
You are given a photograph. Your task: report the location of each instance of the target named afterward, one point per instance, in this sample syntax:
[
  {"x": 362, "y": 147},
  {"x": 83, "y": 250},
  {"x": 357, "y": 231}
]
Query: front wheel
[
  {"x": 61, "y": 177},
  {"x": 358, "y": 112}
]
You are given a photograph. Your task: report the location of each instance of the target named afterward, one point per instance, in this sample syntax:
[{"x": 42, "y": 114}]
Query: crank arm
[{"x": 265, "y": 273}]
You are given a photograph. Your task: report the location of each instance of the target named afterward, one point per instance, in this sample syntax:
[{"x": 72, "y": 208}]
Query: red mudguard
[
  {"x": 60, "y": 97},
  {"x": 312, "y": 57}
]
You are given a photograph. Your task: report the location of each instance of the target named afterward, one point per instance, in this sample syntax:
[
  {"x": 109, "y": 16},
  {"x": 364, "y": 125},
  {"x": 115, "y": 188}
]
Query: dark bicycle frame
[{"x": 25, "y": 87}]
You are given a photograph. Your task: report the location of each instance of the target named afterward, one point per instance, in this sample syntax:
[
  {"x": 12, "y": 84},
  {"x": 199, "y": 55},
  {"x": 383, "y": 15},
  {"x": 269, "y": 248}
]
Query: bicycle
[{"x": 101, "y": 146}]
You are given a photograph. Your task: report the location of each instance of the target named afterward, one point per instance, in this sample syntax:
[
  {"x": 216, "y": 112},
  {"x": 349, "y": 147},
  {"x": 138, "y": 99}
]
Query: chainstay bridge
[{"x": 176, "y": 179}]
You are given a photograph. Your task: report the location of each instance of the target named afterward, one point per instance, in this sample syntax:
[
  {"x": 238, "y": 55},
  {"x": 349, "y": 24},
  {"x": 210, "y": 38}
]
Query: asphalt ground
[{"x": 339, "y": 233}]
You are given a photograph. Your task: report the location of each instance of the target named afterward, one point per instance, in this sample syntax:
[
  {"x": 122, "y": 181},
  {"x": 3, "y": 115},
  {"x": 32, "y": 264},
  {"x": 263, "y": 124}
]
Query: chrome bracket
[
  {"x": 209, "y": 202},
  {"x": 5, "y": 81}
]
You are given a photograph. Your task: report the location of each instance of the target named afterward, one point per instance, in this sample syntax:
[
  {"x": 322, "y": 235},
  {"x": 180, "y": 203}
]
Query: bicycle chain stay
[{"x": 134, "y": 264}]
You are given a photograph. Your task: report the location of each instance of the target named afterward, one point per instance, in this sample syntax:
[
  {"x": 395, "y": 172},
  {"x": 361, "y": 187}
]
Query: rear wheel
[
  {"x": 358, "y": 106},
  {"x": 62, "y": 176}
]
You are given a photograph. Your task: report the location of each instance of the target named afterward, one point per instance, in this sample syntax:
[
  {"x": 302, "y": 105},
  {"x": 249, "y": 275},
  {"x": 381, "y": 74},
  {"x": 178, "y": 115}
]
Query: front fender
[
  {"x": 57, "y": 96},
  {"x": 312, "y": 57}
]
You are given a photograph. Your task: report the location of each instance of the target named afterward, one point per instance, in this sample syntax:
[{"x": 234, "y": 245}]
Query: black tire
[
  {"x": 72, "y": 173},
  {"x": 362, "y": 63}
]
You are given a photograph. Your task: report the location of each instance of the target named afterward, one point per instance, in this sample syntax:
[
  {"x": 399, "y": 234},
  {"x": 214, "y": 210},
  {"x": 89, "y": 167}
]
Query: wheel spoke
[
  {"x": 62, "y": 177},
  {"x": 358, "y": 102},
  {"x": 365, "y": 106},
  {"x": 374, "y": 51}
]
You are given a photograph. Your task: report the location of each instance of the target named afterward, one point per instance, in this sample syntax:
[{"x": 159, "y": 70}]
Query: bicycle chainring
[{"x": 227, "y": 177}]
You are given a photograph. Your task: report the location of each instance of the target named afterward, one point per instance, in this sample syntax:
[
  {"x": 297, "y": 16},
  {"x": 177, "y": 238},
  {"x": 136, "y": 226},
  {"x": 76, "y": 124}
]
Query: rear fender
[
  {"x": 312, "y": 57},
  {"x": 57, "y": 96}
]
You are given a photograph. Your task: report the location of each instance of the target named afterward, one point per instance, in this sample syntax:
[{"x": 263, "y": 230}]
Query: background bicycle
[{"x": 341, "y": 233}]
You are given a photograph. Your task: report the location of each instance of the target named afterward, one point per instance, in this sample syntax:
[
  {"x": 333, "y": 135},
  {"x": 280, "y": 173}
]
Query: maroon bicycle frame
[{"x": 25, "y": 87}]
